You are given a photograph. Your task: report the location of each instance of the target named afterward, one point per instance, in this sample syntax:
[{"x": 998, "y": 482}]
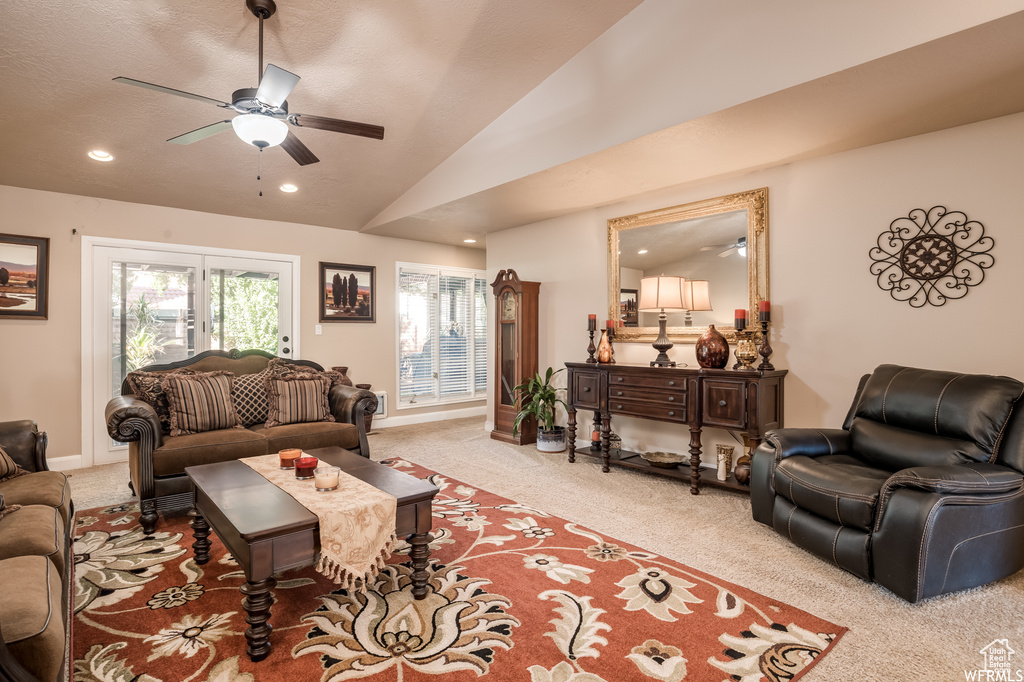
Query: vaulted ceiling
[{"x": 441, "y": 76}]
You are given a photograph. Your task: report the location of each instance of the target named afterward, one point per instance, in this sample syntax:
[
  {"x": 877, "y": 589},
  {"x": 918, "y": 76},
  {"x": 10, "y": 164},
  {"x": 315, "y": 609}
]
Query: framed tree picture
[
  {"x": 347, "y": 293},
  {"x": 24, "y": 273}
]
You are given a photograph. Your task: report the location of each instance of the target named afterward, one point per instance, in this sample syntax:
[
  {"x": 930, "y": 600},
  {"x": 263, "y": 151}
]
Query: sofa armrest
[
  {"x": 25, "y": 443},
  {"x": 130, "y": 419},
  {"x": 807, "y": 442},
  {"x": 10, "y": 669},
  {"x": 349, "y": 405}
]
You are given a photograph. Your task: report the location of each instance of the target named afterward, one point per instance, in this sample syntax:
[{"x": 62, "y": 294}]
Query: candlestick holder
[
  {"x": 746, "y": 351},
  {"x": 591, "y": 349},
  {"x": 765, "y": 350}
]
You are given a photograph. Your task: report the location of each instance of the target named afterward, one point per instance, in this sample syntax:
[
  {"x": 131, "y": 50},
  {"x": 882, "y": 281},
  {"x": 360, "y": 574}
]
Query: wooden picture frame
[
  {"x": 24, "y": 277},
  {"x": 337, "y": 304}
]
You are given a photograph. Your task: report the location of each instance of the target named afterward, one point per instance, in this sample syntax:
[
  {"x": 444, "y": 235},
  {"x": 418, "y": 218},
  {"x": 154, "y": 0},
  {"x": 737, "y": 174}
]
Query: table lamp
[
  {"x": 662, "y": 294},
  {"x": 696, "y": 296}
]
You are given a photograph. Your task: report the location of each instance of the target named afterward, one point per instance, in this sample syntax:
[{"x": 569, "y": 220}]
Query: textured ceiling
[{"x": 432, "y": 73}]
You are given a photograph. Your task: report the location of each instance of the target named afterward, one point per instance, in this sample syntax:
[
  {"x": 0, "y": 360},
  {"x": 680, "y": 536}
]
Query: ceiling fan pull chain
[{"x": 259, "y": 167}]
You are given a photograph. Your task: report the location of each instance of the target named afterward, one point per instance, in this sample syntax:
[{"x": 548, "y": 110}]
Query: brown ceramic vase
[{"x": 712, "y": 349}]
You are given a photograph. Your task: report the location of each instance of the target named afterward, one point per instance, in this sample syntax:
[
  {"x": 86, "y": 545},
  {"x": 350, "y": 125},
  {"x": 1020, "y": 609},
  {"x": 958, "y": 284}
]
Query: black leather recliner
[{"x": 922, "y": 489}]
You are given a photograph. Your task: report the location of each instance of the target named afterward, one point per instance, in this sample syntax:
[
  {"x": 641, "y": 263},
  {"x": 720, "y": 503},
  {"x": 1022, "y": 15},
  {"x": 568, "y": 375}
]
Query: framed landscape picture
[
  {"x": 347, "y": 293},
  {"x": 24, "y": 269}
]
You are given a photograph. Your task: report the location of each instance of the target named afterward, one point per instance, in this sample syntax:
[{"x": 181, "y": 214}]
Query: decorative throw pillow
[
  {"x": 249, "y": 395},
  {"x": 147, "y": 387},
  {"x": 279, "y": 367},
  {"x": 200, "y": 402},
  {"x": 298, "y": 398}
]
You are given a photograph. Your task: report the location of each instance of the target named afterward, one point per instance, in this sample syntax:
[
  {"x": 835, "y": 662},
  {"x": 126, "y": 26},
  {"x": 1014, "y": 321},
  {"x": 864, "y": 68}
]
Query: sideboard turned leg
[
  {"x": 695, "y": 460},
  {"x": 606, "y": 451},
  {"x": 570, "y": 433}
]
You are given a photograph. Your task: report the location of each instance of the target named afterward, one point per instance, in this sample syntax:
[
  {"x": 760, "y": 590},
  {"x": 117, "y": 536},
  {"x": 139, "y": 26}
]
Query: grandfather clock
[{"x": 515, "y": 352}]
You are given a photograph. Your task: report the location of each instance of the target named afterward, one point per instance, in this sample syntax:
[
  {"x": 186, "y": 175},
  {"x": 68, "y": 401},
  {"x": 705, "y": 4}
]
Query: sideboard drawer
[
  {"x": 645, "y": 410},
  {"x": 586, "y": 390},
  {"x": 667, "y": 398},
  {"x": 725, "y": 403},
  {"x": 675, "y": 383}
]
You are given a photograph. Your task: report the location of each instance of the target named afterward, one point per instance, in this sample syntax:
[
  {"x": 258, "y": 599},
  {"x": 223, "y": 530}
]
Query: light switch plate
[{"x": 319, "y": 329}]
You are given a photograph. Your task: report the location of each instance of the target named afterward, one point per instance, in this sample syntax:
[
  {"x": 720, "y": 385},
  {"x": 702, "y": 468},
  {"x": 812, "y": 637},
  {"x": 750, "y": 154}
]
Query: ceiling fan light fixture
[
  {"x": 100, "y": 155},
  {"x": 259, "y": 130},
  {"x": 288, "y": 187}
]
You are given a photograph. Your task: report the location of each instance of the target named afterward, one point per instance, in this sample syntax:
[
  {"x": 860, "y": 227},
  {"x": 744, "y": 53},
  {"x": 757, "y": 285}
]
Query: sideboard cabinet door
[{"x": 725, "y": 403}]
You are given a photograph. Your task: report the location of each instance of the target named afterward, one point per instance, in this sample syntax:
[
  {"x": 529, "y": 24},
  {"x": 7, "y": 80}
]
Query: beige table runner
[{"x": 357, "y": 521}]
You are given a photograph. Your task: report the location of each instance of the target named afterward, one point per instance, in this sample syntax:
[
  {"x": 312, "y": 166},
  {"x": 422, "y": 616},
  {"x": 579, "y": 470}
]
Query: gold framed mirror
[{"x": 713, "y": 242}]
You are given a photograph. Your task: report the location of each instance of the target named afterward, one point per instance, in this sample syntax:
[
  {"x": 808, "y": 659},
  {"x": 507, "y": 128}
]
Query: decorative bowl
[{"x": 663, "y": 460}]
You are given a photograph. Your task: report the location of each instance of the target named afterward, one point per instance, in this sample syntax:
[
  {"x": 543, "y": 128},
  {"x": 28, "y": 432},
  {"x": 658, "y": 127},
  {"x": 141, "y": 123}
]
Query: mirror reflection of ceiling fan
[
  {"x": 263, "y": 111},
  {"x": 740, "y": 246}
]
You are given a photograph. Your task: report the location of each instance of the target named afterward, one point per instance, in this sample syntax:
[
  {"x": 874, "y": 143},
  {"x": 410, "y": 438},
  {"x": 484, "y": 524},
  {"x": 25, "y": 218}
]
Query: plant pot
[{"x": 551, "y": 441}]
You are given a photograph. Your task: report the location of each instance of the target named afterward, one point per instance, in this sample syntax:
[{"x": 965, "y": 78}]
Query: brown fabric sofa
[
  {"x": 36, "y": 562},
  {"x": 157, "y": 461}
]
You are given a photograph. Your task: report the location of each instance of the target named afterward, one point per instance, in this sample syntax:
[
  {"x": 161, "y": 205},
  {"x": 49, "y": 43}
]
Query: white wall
[
  {"x": 41, "y": 363},
  {"x": 831, "y": 321}
]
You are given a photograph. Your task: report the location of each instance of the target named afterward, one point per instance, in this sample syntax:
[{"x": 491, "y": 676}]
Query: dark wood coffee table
[{"x": 268, "y": 532}]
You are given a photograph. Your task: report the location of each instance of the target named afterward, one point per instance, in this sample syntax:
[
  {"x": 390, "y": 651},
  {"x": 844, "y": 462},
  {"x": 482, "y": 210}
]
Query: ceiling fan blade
[
  {"x": 298, "y": 151},
  {"x": 275, "y": 86},
  {"x": 337, "y": 125},
  {"x": 727, "y": 252},
  {"x": 170, "y": 91},
  {"x": 200, "y": 133}
]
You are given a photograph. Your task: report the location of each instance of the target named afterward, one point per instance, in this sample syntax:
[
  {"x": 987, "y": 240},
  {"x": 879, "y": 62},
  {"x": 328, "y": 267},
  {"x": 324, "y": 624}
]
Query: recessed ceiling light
[
  {"x": 642, "y": 251},
  {"x": 289, "y": 188},
  {"x": 469, "y": 241},
  {"x": 100, "y": 155}
]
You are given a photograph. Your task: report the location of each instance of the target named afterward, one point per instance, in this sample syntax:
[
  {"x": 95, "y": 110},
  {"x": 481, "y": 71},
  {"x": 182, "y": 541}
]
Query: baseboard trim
[
  {"x": 405, "y": 420},
  {"x": 64, "y": 463}
]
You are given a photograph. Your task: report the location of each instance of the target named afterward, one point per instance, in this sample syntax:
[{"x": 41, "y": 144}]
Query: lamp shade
[
  {"x": 260, "y": 130},
  {"x": 661, "y": 293},
  {"x": 696, "y": 294}
]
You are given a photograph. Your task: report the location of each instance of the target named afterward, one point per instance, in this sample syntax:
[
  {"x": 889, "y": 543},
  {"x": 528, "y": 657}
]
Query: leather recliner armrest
[
  {"x": 130, "y": 419},
  {"x": 975, "y": 478},
  {"x": 807, "y": 442}
]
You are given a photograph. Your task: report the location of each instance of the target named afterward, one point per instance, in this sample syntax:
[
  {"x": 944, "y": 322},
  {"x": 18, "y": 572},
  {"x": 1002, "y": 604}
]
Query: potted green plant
[{"x": 538, "y": 398}]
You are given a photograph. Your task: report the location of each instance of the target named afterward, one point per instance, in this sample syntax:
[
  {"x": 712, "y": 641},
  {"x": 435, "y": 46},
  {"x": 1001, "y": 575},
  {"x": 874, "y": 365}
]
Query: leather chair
[{"x": 921, "y": 491}]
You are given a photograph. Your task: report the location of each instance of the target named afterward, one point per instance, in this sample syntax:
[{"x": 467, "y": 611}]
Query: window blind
[{"x": 442, "y": 335}]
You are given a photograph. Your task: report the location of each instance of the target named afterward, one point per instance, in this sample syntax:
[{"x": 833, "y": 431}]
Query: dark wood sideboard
[{"x": 746, "y": 401}]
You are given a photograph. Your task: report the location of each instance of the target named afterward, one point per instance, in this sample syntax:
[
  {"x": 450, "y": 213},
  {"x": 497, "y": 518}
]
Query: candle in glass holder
[
  {"x": 326, "y": 478},
  {"x": 288, "y": 457},
  {"x": 304, "y": 467}
]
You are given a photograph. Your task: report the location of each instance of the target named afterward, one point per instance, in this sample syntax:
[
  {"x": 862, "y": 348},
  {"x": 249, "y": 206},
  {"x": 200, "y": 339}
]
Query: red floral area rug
[{"x": 515, "y": 594}]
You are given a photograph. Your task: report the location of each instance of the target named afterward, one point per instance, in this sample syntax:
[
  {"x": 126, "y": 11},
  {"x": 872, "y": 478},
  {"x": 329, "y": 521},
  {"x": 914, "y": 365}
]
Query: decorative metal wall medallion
[{"x": 931, "y": 256}]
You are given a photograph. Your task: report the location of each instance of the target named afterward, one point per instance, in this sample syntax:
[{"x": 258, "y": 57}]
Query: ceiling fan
[
  {"x": 263, "y": 111},
  {"x": 738, "y": 245}
]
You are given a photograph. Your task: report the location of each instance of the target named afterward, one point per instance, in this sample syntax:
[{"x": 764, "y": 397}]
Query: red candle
[
  {"x": 592, "y": 322},
  {"x": 741, "y": 314},
  {"x": 764, "y": 307},
  {"x": 304, "y": 467},
  {"x": 608, "y": 324}
]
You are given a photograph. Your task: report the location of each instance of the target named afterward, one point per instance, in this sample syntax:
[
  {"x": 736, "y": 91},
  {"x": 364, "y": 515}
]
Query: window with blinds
[{"x": 442, "y": 339}]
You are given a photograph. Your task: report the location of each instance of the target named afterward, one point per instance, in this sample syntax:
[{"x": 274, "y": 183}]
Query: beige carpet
[{"x": 888, "y": 640}]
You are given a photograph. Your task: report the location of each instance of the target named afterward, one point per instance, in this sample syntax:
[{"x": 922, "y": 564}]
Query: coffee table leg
[
  {"x": 257, "y": 603},
  {"x": 201, "y": 532},
  {"x": 420, "y": 555}
]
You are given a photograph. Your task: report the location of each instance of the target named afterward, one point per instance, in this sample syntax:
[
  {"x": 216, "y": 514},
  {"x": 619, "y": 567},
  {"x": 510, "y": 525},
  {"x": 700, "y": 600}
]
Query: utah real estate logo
[{"x": 998, "y": 665}]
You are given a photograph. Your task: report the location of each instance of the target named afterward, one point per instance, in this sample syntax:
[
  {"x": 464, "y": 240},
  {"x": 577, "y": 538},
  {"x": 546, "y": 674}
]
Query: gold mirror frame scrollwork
[{"x": 756, "y": 204}]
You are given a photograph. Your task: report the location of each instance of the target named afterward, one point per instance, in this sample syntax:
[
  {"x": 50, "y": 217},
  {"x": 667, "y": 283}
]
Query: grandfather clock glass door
[
  {"x": 507, "y": 349},
  {"x": 515, "y": 351}
]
